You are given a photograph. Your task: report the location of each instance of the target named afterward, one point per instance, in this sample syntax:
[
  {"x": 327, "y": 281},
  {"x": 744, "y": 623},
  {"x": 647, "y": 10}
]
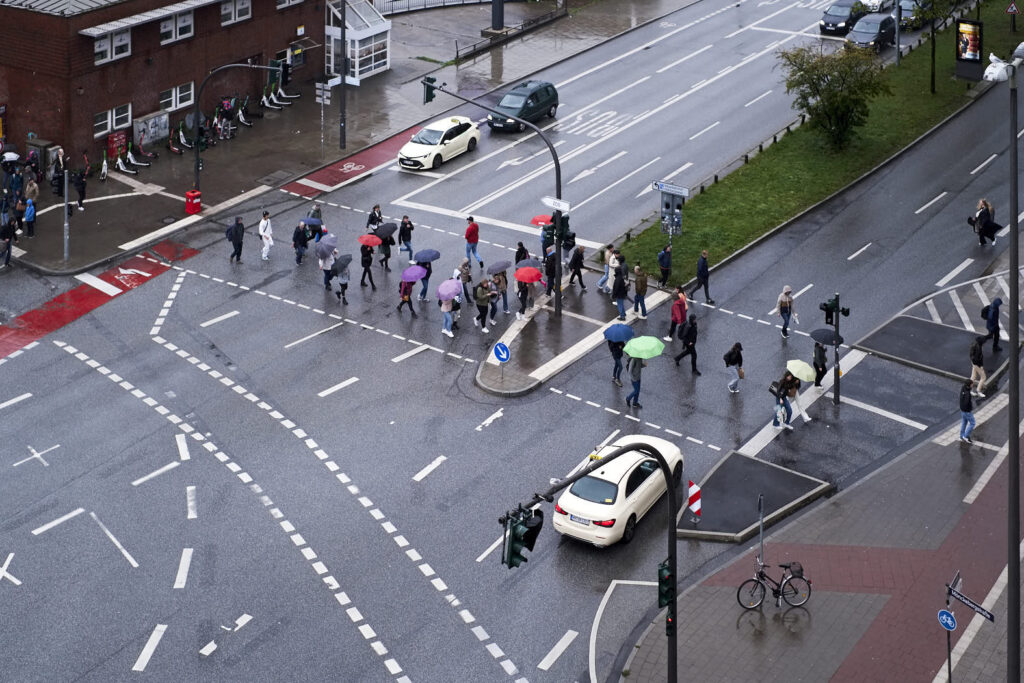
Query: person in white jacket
[{"x": 266, "y": 231}]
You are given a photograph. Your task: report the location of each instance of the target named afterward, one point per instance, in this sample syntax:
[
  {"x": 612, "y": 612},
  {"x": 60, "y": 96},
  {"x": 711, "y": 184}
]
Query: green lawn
[{"x": 800, "y": 170}]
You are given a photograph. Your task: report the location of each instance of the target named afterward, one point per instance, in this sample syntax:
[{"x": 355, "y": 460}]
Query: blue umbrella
[
  {"x": 425, "y": 255},
  {"x": 312, "y": 222},
  {"x": 619, "y": 333}
]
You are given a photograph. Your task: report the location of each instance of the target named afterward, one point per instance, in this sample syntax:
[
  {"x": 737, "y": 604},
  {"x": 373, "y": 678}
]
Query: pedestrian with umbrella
[
  {"x": 405, "y": 237},
  {"x": 639, "y": 349},
  {"x": 465, "y": 275},
  {"x": 385, "y": 231},
  {"x": 424, "y": 258},
  {"x": 820, "y": 367},
  {"x": 501, "y": 282},
  {"x": 617, "y": 336},
  {"x": 446, "y": 293},
  {"x": 368, "y": 242},
  {"x": 787, "y": 388},
  {"x": 803, "y": 373},
  {"x": 521, "y": 253},
  {"x": 326, "y": 251},
  {"x": 409, "y": 276},
  {"x": 688, "y": 335},
  {"x": 340, "y": 269},
  {"x": 300, "y": 241}
]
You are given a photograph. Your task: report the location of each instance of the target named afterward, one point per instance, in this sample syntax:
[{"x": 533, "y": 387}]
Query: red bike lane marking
[
  {"x": 352, "y": 166},
  {"x": 73, "y": 304}
]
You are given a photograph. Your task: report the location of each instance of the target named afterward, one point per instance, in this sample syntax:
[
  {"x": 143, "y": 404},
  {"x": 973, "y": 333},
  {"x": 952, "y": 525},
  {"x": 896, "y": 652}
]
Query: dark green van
[{"x": 530, "y": 101}]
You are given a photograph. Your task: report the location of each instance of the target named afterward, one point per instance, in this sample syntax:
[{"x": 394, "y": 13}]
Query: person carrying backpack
[
  {"x": 688, "y": 335},
  {"x": 734, "y": 364},
  {"x": 991, "y": 315}
]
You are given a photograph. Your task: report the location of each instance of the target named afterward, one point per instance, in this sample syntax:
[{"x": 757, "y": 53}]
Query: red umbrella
[
  {"x": 540, "y": 221},
  {"x": 528, "y": 275},
  {"x": 370, "y": 240}
]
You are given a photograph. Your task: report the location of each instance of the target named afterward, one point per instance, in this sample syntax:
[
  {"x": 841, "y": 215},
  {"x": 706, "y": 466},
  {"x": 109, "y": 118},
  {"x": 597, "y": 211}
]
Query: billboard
[{"x": 968, "y": 41}]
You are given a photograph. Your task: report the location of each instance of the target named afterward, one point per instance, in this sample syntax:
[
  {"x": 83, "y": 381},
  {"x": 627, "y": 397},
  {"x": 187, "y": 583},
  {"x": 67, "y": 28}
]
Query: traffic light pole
[
  {"x": 836, "y": 372},
  {"x": 673, "y": 511},
  {"x": 428, "y": 95},
  {"x": 199, "y": 94}
]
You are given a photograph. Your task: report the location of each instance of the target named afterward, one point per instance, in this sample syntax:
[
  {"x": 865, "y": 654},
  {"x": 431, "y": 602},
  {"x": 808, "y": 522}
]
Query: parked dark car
[
  {"x": 913, "y": 10},
  {"x": 841, "y": 16},
  {"x": 873, "y": 31},
  {"x": 530, "y": 100}
]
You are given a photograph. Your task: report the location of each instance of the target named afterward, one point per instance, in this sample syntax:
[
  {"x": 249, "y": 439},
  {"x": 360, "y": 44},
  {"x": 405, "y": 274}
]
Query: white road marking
[
  {"x": 487, "y": 423},
  {"x": 683, "y": 59},
  {"x": 336, "y": 387},
  {"x": 556, "y": 652},
  {"x": 156, "y": 473},
  {"x": 608, "y": 439},
  {"x": 610, "y": 186},
  {"x": 117, "y": 543},
  {"x": 953, "y": 273},
  {"x": 37, "y": 455},
  {"x": 409, "y": 354},
  {"x": 984, "y": 164},
  {"x": 310, "y": 336},
  {"x": 961, "y": 311},
  {"x": 220, "y": 318},
  {"x": 149, "y": 648},
  {"x": 208, "y": 649},
  {"x": 592, "y": 658},
  {"x": 96, "y": 283},
  {"x": 884, "y": 413},
  {"x": 762, "y": 95},
  {"x": 16, "y": 399},
  {"x": 752, "y": 25},
  {"x": 190, "y": 502},
  {"x": 422, "y": 474},
  {"x": 932, "y": 311},
  {"x": 182, "y": 443},
  {"x": 59, "y": 520},
  {"x": 591, "y": 171},
  {"x": 930, "y": 203},
  {"x": 990, "y": 471},
  {"x": 704, "y": 130},
  {"x": 858, "y": 252},
  {"x": 183, "y": 565},
  {"x": 4, "y": 574},
  {"x": 982, "y": 294},
  {"x": 670, "y": 176},
  {"x": 490, "y": 549}
]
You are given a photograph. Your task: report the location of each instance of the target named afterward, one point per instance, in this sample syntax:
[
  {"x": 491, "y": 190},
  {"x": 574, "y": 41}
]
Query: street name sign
[
  {"x": 973, "y": 605},
  {"x": 556, "y": 204},
  {"x": 662, "y": 186}
]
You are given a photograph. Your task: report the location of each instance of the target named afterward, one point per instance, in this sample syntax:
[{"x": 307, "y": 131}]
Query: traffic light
[
  {"x": 520, "y": 535},
  {"x": 548, "y": 235},
  {"x": 666, "y": 585},
  {"x": 830, "y": 310},
  {"x": 286, "y": 73},
  {"x": 200, "y": 163},
  {"x": 670, "y": 621},
  {"x": 567, "y": 236},
  {"x": 428, "y": 88}
]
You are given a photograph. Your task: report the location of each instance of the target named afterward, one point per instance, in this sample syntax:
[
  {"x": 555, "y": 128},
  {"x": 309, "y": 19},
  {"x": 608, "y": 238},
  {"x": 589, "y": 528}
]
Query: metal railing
[{"x": 464, "y": 51}]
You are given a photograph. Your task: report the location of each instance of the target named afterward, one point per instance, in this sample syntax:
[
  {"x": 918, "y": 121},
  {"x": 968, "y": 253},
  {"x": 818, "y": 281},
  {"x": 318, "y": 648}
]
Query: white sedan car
[
  {"x": 603, "y": 507},
  {"x": 438, "y": 142}
]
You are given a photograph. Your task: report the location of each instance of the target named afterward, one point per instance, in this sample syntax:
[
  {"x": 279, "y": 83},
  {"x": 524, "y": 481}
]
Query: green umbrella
[
  {"x": 801, "y": 370},
  {"x": 644, "y": 347}
]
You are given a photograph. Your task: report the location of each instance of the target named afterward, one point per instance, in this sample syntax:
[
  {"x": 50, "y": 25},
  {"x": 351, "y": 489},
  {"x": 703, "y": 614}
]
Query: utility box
[
  {"x": 148, "y": 129},
  {"x": 193, "y": 202}
]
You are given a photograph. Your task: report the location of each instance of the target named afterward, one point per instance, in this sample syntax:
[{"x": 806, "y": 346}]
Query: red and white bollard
[{"x": 693, "y": 503}]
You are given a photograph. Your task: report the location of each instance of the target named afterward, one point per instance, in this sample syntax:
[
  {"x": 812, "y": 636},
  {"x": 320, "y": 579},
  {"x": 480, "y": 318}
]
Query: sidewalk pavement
[
  {"x": 878, "y": 554},
  {"x": 125, "y": 213}
]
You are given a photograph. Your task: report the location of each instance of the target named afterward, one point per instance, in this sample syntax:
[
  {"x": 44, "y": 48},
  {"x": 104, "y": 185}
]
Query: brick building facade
[{"x": 72, "y": 71}]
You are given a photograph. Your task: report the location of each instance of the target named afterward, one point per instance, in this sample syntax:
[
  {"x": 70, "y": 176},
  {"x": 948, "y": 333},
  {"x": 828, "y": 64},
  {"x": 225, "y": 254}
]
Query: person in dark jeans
[
  {"x": 7, "y": 240},
  {"x": 992, "y": 323},
  {"x": 366, "y": 260},
  {"x": 236, "y": 235},
  {"x": 820, "y": 367},
  {"x": 688, "y": 334},
  {"x": 702, "y": 277},
  {"x": 616, "y": 349},
  {"x": 576, "y": 267},
  {"x": 635, "y": 367}
]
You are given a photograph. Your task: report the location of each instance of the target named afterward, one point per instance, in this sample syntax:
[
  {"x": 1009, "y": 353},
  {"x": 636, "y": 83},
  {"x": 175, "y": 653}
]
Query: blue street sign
[
  {"x": 947, "y": 620},
  {"x": 501, "y": 352}
]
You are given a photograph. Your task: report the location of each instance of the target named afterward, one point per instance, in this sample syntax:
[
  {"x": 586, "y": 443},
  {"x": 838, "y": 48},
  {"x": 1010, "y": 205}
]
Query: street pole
[
  {"x": 899, "y": 18},
  {"x": 1013, "y": 493},
  {"x": 557, "y": 220},
  {"x": 67, "y": 226},
  {"x": 558, "y": 177},
  {"x": 344, "y": 75},
  {"x": 836, "y": 372}
]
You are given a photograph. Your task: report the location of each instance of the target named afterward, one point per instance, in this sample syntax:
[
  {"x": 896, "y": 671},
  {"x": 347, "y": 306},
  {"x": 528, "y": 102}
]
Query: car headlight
[
  {"x": 490, "y": 117},
  {"x": 821, "y": 23},
  {"x": 841, "y": 24},
  {"x": 510, "y": 120}
]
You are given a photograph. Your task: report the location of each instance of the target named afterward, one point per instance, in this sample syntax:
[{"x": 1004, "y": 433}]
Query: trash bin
[{"x": 193, "y": 202}]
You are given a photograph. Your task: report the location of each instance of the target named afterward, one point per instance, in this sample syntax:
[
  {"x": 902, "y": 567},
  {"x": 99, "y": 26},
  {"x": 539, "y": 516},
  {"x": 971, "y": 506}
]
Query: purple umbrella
[
  {"x": 449, "y": 289},
  {"x": 413, "y": 273}
]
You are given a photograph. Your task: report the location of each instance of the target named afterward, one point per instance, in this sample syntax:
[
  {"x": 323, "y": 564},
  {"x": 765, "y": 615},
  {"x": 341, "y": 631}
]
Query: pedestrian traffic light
[
  {"x": 830, "y": 307},
  {"x": 568, "y": 241},
  {"x": 666, "y": 585},
  {"x": 670, "y": 621},
  {"x": 286, "y": 73},
  {"x": 428, "y": 88},
  {"x": 548, "y": 235}
]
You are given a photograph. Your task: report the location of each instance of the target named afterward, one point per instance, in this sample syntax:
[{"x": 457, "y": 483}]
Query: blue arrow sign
[
  {"x": 501, "y": 352},
  {"x": 947, "y": 620}
]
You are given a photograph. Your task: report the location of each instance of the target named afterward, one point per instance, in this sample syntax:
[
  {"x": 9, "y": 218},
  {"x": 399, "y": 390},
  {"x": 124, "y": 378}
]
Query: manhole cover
[
  {"x": 275, "y": 178},
  {"x": 169, "y": 219}
]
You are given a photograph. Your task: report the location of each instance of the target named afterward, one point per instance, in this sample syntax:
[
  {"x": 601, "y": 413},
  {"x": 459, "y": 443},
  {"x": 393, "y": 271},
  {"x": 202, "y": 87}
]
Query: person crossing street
[
  {"x": 688, "y": 335},
  {"x": 266, "y": 232},
  {"x": 703, "y": 274}
]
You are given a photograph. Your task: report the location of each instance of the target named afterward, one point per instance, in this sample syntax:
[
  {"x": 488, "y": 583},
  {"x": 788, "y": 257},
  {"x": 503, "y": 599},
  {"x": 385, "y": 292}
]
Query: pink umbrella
[
  {"x": 449, "y": 289},
  {"x": 370, "y": 240},
  {"x": 528, "y": 275},
  {"x": 540, "y": 221}
]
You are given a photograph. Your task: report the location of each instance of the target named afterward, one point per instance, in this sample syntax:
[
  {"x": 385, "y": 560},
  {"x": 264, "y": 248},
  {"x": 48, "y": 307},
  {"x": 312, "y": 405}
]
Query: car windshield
[
  {"x": 838, "y": 11},
  {"x": 512, "y": 101},
  {"x": 908, "y": 5},
  {"x": 595, "y": 490},
  {"x": 428, "y": 136},
  {"x": 866, "y": 26}
]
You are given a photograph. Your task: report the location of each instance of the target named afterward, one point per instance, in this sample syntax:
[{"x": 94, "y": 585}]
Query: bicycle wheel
[
  {"x": 750, "y": 594},
  {"x": 796, "y": 591}
]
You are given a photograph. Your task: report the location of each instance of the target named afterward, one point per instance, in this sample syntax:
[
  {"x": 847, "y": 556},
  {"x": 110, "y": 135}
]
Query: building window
[
  {"x": 176, "y": 27},
  {"x": 112, "y": 46},
  {"x": 122, "y": 116},
  {"x": 235, "y": 10},
  {"x": 114, "y": 119},
  {"x": 281, "y": 4},
  {"x": 101, "y": 124},
  {"x": 176, "y": 98}
]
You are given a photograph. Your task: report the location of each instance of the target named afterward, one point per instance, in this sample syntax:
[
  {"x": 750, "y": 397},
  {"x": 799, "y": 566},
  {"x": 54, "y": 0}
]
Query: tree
[
  {"x": 833, "y": 88},
  {"x": 937, "y": 12}
]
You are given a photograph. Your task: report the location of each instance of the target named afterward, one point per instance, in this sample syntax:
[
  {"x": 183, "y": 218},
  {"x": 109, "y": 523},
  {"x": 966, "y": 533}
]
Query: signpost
[
  {"x": 1012, "y": 11},
  {"x": 948, "y": 621},
  {"x": 323, "y": 97},
  {"x": 672, "y": 199},
  {"x": 502, "y": 353},
  {"x": 556, "y": 204}
]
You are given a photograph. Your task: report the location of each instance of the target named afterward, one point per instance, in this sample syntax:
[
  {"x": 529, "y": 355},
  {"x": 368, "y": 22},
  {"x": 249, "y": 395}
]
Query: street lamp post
[{"x": 195, "y": 109}]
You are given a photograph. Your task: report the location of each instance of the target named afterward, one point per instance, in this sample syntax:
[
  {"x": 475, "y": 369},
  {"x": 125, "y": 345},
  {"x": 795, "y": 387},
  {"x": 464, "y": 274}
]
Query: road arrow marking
[
  {"x": 591, "y": 171},
  {"x": 520, "y": 161},
  {"x": 488, "y": 421},
  {"x": 670, "y": 176}
]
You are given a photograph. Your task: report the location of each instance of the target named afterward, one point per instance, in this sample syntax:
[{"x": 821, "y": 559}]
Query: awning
[{"x": 144, "y": 18}]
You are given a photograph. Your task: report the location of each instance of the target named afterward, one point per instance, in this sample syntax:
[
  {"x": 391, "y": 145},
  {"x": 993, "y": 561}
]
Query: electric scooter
[
  {"x": 148, "y": 155},
  {"x": 103, "y": 168},
  {"x": 266, "y": 102},
  {"x": 120, "y": 164},
  {"x": 248, "y": 114},
  {"x": 133, "y": 161}
]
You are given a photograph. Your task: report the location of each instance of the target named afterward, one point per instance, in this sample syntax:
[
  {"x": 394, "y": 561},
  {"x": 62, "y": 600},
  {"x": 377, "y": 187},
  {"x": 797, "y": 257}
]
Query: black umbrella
[
  {"x": 530, "y": 263},
  {"x": 826, "y": 336},
  {"x": 342, "y": 260},
  {"x": 385, "y": 230},
  {"x": 425, "y": 255},
  {"x": 498, "y": 267}
]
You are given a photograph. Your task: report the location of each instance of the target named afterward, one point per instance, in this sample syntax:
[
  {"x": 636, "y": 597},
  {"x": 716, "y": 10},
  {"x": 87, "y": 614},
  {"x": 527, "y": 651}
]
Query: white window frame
[
  {"x": 284, "y": 4},
  {"x": 180, "y": 96},
  {"x": 178, "y": 27},
  {"x": 123, "y": 113},
  {"x": 112, "y": 46},
  {"x": 234, "y": 11},
  {"x": 95, "y": 120}
]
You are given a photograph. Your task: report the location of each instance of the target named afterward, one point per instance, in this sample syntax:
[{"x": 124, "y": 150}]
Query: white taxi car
[
  {"x": 438, "y": 142},
  {"x": 603, "y": 507}
]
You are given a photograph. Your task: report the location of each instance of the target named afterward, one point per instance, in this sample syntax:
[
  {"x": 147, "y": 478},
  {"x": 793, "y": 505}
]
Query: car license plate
[{"x": 579, "y": 520}]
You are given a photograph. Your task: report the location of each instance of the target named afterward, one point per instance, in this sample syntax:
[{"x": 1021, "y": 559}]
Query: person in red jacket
[
  {"x": 472, "y": 239},
  {"x": 678, "y": 313}
]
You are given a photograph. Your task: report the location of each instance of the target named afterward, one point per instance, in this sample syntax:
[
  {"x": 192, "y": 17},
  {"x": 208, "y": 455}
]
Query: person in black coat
[
  {"x": 966, "y": 411},
  {"x": 576, "y": 267},
  {"x": 616, "y": 349},
  {"x": 7, "y": 240},
  {"x": 425, "y": 280},
  {"x": 366, "y": 260},
  {"x": 688, "y": 334},
  {"x": 405, "y": 229},
  {"x": 521, "y": 253},
  {"x": 374, "y": 219},
  {"x": 300, "y": 241},
  {"x": 550, "y": 270},
  {"x": 819, "y": 362},
  {"x": 236, "y": 233},
  {"x": 978, "y": 365},
  {"x": 619, "y": 292}
]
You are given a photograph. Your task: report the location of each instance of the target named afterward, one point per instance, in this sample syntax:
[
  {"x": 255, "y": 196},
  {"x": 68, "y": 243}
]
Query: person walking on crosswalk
[
  {"x": 967, "y": 421},
  {"x": 266, "y": 231},
  {"x": 978, "y": 366}
]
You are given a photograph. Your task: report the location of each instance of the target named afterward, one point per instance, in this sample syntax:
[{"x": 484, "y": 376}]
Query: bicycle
[{"x": 794, "y": 588}]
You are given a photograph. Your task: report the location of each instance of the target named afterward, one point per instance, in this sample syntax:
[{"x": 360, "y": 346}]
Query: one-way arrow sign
[{"x": 973, "y": 605}]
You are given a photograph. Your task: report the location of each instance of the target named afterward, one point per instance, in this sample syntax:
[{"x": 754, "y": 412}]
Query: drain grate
[
  {"x": 275, "y": 178},
  {"x": 169, "y": 219}
]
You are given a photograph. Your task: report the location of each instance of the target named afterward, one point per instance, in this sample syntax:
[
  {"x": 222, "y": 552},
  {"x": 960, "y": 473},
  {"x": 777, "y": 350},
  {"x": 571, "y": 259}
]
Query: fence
[{"x": 464, "y": 51}]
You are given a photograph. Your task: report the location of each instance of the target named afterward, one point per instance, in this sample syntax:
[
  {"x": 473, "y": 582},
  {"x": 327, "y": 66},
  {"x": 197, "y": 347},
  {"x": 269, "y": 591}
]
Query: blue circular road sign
[
  {"x": 501, "y": 352},
  {"x": 947, "y": 620}
]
